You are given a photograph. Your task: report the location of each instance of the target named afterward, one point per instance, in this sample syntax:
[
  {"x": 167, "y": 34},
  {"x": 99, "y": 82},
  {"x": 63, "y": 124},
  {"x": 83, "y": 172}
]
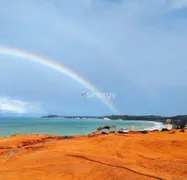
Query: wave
[{"x": 156, "y": 126}]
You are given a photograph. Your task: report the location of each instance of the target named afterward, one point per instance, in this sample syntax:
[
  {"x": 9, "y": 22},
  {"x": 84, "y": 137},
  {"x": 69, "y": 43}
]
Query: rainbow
[{"x": 57, "y": 67}]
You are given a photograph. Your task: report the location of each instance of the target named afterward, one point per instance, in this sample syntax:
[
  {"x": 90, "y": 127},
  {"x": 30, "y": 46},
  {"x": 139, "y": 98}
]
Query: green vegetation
[
  {"x": 68, "y": 137},
  {"x": 144, "y": 132},
  {"x": 49, "y": 137}
]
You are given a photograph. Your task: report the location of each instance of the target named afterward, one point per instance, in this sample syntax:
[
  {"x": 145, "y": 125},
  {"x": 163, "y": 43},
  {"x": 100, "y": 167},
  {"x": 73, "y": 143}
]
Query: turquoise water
[{"x": 9, "y": 126}]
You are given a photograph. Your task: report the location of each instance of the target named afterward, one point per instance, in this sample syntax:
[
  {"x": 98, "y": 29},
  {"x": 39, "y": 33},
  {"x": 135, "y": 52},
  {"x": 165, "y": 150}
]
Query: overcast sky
[{"x": 134, "y": 48}]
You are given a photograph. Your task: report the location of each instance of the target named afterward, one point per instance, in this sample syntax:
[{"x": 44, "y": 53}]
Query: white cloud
[
  {"x": 178, "y": 4},
  {"x": 8, "y": 105}
]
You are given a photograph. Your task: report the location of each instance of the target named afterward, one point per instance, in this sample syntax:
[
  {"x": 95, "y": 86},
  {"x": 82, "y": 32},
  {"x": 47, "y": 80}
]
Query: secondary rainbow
[{"x": 58, "y": 67}]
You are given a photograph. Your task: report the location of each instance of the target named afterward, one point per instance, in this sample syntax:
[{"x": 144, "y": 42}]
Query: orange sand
[{"x": 156, "y": 155}]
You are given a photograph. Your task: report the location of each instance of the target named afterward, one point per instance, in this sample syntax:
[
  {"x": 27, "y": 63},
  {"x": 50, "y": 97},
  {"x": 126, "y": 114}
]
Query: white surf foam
[{"x": 156, "y": 126}]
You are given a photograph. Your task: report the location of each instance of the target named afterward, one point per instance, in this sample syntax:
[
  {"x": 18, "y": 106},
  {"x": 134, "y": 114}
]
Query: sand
[{"x": 156, "y": 155}]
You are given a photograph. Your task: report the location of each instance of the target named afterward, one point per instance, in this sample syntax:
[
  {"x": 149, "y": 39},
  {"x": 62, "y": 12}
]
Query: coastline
[
  {"x": 156, "y": 155},
  {"x": 74, "y": 127}
]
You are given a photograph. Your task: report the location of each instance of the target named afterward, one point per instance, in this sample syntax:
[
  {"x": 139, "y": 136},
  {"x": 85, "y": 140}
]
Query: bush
[
  {"x": 68, "y": 137},
  {"x": 144, "y": 132},
  {"x": 182, "y": 130},
  {"x": 165, "y": 129},
  {"x": 60, "y": 137},
  {"x": 49, "y": 137},
  {"x": 156, "y": 130},
  {"x": 103, "y": 132},
  {"x": 112, "y": 132}
]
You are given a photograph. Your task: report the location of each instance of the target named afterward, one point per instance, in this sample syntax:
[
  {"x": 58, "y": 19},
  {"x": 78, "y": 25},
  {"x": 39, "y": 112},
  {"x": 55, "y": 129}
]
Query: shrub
[
  {"x": 112, "y": 132},
  {"x": 60, "y": 137},
  {"x": 165, "y": 129},
  {"x": 68, "y": 137},
  {"x": 144, "y": 132},
  {"x": 156, "y": 130},
  {"x": 103, "y": 132},
  {"x": 182, "y": 130},
  {"x": 49, "y": 137}
]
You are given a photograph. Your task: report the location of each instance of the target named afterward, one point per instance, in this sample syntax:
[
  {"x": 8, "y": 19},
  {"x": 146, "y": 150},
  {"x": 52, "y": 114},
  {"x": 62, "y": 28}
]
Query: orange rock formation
[{"x": 156, "y": 155}]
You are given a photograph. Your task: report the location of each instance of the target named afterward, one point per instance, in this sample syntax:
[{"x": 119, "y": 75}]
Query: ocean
[{"x": 10, "y": 126}]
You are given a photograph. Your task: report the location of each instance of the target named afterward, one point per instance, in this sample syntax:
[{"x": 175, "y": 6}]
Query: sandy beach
[{"x": 134, "y": 156}]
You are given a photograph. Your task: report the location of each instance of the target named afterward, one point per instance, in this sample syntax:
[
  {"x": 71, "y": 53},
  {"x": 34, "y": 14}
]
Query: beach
[{"x": 133, "y": 156}]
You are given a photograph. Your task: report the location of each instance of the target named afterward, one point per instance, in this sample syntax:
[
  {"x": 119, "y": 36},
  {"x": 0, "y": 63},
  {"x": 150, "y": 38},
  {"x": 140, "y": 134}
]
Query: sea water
[{"x": 10, "y": 126}]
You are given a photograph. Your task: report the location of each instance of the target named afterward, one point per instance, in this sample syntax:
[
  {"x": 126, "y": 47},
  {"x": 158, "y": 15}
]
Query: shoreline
[{"x": 157, "y": 126}]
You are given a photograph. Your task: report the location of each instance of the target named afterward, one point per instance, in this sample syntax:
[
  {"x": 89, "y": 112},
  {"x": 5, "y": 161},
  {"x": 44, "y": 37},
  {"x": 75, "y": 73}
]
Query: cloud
[
  {"x": 9, "y": 105},
  {"x": 178, "y": 4}
]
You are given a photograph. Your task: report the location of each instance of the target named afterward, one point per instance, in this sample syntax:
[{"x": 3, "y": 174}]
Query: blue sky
[{"x": 134, "y": 48}]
